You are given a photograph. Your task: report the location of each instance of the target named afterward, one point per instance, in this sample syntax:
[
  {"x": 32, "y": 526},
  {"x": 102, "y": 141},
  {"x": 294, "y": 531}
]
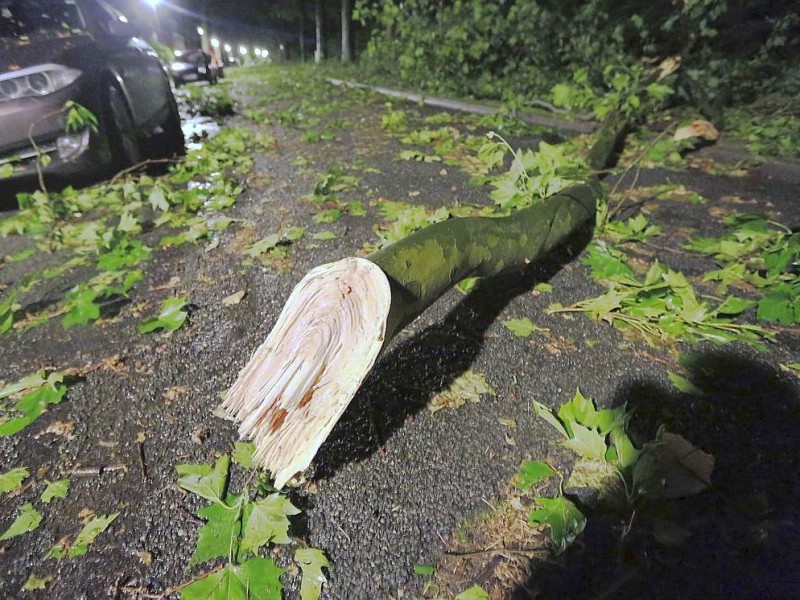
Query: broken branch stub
[
  {"x": 300, "y": 380},
  {"x": 338, "y": 318}
]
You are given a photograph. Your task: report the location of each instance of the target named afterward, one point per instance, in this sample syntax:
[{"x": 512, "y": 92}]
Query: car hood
[{"x": 16, "y": 54}]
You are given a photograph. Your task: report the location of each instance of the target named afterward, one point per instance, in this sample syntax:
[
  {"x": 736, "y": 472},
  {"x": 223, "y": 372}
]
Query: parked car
[
  {"x": 84, "y": 51},
  {"x": 196, "y": 65}
]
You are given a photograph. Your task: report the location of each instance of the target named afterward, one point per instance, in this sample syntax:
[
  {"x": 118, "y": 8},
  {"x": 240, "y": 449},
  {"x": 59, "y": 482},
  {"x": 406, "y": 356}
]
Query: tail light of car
[{"x": 40, "y": 80}]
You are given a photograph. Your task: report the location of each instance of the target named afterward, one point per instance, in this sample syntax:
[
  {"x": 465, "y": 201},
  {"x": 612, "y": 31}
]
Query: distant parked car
[
  {"x": 84, "y": 51},
  {"x": 197, "y": 65}
]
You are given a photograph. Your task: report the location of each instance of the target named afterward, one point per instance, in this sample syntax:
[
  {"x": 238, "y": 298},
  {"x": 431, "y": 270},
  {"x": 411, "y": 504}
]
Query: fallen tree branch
[{"x": 342, "y": 315}]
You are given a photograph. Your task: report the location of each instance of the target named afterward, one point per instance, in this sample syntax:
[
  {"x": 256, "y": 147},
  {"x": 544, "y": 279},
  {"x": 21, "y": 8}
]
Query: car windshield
[{"x": 20, "y": 19}]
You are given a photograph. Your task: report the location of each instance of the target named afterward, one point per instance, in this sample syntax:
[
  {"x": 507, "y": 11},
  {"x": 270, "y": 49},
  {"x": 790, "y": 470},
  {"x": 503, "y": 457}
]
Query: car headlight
[
  {"x": 40, "y": 80},
  {"x": 180, "y": 66}
]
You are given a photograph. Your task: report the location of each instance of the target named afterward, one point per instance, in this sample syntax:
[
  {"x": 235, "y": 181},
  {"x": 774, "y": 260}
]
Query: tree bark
[
  {"x": 347, "y": 56},
  {"x": 318, "y": 24},
  {"x": 342, "y": 315}
]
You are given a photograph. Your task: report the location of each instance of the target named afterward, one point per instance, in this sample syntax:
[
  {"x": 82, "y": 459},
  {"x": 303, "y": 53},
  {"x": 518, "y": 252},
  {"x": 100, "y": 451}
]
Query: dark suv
[{"x": 84, "y": 51}]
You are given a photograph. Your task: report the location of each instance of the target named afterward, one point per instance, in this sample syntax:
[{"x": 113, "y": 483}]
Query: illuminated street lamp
[
  {"x": 243, "y": 50},
  {"x": 228, "y": 48},
  {"x": 215, "y": 42},
  {"x": 200, "y": 31},
  {"x": 154, "y": 5}
]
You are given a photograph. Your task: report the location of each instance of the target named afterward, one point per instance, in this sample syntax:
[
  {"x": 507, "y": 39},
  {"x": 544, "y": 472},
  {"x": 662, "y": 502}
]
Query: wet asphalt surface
[{"x": 393, "y": 481}]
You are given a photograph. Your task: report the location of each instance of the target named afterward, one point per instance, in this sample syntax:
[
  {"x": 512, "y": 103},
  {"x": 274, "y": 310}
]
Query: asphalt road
[{"x": 394, "y": 480}]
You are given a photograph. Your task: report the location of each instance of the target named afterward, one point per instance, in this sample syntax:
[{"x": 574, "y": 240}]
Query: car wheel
[
  {"x": 122, "y": 140},
  {"x": 171, "y": 138}
]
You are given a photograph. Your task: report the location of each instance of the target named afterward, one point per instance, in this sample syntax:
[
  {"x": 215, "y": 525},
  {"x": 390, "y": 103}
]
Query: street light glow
[
  {"x": 215, "y": 42},
  {"x": 242, "y": 50},
  {"x": 200, "y": 31},
  {"x": 227, "y": 48},
  {"x": 153, "y": 3}
]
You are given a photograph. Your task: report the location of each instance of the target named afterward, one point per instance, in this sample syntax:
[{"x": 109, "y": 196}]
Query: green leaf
[
  {"x": 425, "y": 570},
  {"x": 294, "y": 233},
  {"x": 264, "y": 245},
  {"x": 566, "y": 522},
  {"x": 777, "y": 307},
  {"x": 520, "y": 327},
  {"x": 549, "y": 416},
  {"x": 89, "y": 534},
  {"x": 684, "y": 385},
  {"x": 476, "y": 592},
  {"x": 36, "y": 583},
  {"x": 219, "y": 536},
  {"x": 205, "y": 481},
  {"x": 328, "y": 216},
  {"x": 171, "y": 317},
  {"x": 30, "y": 407},
  {"x": 82, "y": 308},
  {"x": 256, "y": 579},
  {"x": 324, "y": 236},
  {"x": 311, "y": 561},
  {"x": 12, "y": 480},
  {"x": 587, "y": 442},
  {"x": 27, "y": 520},
  {"x": 243, "y": 454},
  {"x": 267, "y": 521},
  {"x": 55, "y": 489},
  {"x": 158, "y": 199},
  {"x": 532, "y": 472},
  {"x": 466, "y": 388}
]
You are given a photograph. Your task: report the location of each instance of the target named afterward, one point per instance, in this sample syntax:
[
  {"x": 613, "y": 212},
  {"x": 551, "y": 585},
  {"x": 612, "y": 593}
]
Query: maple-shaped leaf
[
  {"x": 219, "y": 536},
  {"x": 28, "y": 408},
  {"x": 205, "y": 481},
  {"x": 311, "y": 561},
  {"x": 267, "y": 521},
  {"x": 256, "y": 579},
  {"x": 171, "y": 317},
  {"x": 11, "y": 480},
  {"x": 672, "y": 467},
  {"x": 83, "y": 308},
  {"x": 532, "y": 472},
  {"x": 55, "y": 489},
  {"x": 563, "y": 518},
  {"x": 27, "y": 520},
  {"x": 243, "y": 454}
]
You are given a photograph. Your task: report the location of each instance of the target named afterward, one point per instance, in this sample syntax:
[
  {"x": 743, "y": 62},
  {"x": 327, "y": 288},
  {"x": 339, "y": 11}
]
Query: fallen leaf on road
[{"x": 234, "y": 298}]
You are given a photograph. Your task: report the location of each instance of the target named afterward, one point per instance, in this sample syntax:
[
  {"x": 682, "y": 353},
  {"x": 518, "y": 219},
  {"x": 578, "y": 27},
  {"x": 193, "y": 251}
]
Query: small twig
[
  {"x": 635, "y": 163},
  {"x": 139, "y": 165},
  {"x": 96, "y": 471},
  {"x": 500, "y": 550},
  {"x": 142, "y": 461}
]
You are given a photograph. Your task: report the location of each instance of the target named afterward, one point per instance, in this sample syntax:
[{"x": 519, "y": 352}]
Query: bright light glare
[
  {"x": 153, "y": 3},
  {"x": 265, "y": 54},
  {"x": 200, "y": 31},
  {"x": 242, "y": 50},
  {"x": 228, "y": 48},
  {"x": 178, "y": 53},
  {"x": 215, "y": 42}
]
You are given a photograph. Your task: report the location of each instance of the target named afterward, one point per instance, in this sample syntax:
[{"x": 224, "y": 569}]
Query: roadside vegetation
[{"x": 742, "y": 289}]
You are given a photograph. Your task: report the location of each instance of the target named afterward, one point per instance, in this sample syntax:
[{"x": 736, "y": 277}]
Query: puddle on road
[{"x": 197, "y": 129}]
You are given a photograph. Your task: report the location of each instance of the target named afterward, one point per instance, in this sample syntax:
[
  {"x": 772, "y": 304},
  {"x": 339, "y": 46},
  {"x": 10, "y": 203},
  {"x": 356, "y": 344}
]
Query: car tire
[
  {"x": 171, "y": 140},
  {"x": 121, "y": 134}
]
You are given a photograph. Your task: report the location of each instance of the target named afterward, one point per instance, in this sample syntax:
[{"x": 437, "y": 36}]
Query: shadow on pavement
[
  {"x": 415, "y": 370},
  {"x": 745, "y": 540}
]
